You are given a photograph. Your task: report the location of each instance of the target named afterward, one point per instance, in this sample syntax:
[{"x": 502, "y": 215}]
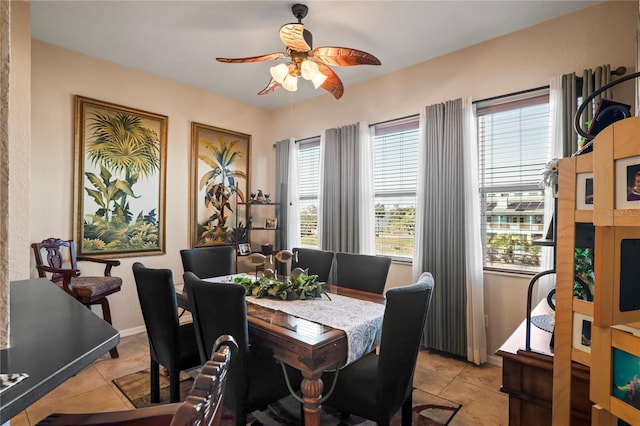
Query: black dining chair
[
  {"x": 362, "y": 272},
  {"x": 318, "y": 262},
  {"x": 255, "y": 378},
  {"x": 171, "y": 345},
  {"x": 378, "y": 385},
  {"x": 207, "y": 262}
]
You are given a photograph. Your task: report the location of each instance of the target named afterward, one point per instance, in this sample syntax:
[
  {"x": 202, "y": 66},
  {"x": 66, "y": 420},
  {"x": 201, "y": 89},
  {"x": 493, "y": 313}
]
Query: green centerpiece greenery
[{"x": 298, "y": 286}]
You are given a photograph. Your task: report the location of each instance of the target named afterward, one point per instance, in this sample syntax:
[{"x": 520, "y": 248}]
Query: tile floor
[{"x": 92, "y": 390}]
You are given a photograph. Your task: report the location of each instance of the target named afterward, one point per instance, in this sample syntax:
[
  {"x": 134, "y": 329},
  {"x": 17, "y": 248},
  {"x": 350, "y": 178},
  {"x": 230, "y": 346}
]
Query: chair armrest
[
  {"x": 156, "y": 415},
  {"x": 108, "y": 263},
  {"x": 66, "y": 275}
]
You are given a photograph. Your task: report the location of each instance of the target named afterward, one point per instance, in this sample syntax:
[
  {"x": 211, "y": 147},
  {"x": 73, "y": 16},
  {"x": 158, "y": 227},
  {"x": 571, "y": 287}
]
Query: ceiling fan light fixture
[
  {"x": 309, "y": 69},
  {"x": 290, "y": 83},
  {"x": 279, "y": 72},
  {"x": 318, "y": 79}
]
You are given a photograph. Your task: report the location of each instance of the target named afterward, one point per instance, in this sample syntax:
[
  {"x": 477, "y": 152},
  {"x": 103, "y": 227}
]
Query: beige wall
[
  {"x": 58, "y": 75},
  {"x": 519, "y": 61},
  {"x": 19, "y": 137}
]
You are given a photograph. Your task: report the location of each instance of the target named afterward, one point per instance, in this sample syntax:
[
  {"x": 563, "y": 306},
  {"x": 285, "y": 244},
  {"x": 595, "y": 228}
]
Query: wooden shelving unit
[{"x": 614, "y": 313}]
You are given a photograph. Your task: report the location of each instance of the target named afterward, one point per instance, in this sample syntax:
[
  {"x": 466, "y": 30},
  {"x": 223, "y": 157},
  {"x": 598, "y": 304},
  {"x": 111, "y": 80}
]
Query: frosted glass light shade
[
  {"x": 279, "y": 72},
  {"x": 309, "y": 69},
  {"x": 290, "y": 83},
  {"x": 318, "y": 80}
]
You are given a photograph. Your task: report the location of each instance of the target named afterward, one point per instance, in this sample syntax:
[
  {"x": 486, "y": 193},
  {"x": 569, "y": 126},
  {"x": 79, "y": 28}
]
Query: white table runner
[{"x": 361, "y": 320}]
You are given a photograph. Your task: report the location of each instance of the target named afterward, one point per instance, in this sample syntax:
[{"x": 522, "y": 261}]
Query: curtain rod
[
  {"x": 302, "y": 140},
  {"x": 618, "y": 71},
  {"x": 522, "y": 92}
]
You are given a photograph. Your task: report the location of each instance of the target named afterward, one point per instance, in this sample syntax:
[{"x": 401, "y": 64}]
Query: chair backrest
[
  {"x": 158, "y": 302},
  {"x": 217, "y": 309},
  {"x": 318, "y": 262},
  {"x": 207, "y": 262},
  {"x": 203, "y": 405},
  {"x": 362, "y": 272},
  {"x": 56, "y": 253},
  {"x": 404, "y": 318}
]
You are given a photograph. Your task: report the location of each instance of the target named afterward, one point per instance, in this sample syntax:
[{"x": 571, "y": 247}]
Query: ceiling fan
[{"x": 306, "y": 62}]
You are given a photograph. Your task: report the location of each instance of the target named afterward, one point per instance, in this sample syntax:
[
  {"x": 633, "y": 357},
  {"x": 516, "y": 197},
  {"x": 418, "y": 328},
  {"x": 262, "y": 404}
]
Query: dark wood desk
[
  {"x": 527, "y": 377},
  {"x": 53, "y": 337},
  {"x": 311, "y": 353}
]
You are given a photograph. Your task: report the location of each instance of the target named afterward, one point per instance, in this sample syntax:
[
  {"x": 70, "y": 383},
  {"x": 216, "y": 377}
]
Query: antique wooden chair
[
  {"x": 203, "y": 405},
  {"x": 56, "y": 258}
]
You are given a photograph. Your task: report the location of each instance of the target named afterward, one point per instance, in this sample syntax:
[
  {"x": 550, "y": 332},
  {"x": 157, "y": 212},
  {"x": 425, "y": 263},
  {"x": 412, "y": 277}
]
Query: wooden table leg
[{"x": 311, "y": 389}]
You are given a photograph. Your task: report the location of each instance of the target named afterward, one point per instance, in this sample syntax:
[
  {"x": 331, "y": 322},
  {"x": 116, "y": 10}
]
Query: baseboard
[
  {"x": 494, "y": 360},
  {"x": 134, "y": 330}
]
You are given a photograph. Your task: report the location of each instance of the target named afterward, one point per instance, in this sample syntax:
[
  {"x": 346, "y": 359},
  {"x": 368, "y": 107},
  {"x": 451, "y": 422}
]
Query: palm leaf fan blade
[
  {"x": 332, "y": 84},
  {"x": 295, "y": 37},
  {"x": 261, "y": 58},
  {"x": 343, "y": 56},
  {"x": 273, "y": 85}
]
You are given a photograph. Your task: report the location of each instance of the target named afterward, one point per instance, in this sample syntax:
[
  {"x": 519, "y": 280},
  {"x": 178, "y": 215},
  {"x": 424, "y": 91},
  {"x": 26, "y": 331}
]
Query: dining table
[{"x": 291, "y": 329}]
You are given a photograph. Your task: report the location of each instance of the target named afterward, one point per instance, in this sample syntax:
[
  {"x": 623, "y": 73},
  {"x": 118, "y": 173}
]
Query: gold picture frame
[
  {"x": 220, "y": 164},
  {"x": 119, "y": 190}
]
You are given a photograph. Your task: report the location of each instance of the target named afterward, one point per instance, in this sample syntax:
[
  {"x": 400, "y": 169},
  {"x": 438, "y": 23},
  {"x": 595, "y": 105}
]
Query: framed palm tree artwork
[
  {"x": 119, "y": 191},
  {"x": 220, "y": 163}
]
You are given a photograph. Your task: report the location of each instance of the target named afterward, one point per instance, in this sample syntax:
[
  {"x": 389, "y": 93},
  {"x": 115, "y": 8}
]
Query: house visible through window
[
  {"x": 308, "y": 181},
  {"x": 395, "y": 168},
  {"x": 514, "y": 145}
]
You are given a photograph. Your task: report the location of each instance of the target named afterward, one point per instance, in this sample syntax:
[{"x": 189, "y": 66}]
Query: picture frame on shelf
[
  {"x": 584, "y": 191},
  {"x": 625, "y": 303},
  {"x": 220, "y": 164},
  {"x": 628, "y": 182},
  {"x": 119, "y": 180},
  {"x": 270, "y": 223},
  {"x": 624, "y": 379},
  {"x": 244, "y": 249},
  {"x": 582, "y": 332}
]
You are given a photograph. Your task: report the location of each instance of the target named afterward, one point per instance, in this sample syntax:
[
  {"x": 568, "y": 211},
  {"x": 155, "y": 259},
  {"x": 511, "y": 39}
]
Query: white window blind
[
  {"x": 308, "y": 187},
  {"x": 395, "y": 179},
  {"x": 514, "y": 145}
]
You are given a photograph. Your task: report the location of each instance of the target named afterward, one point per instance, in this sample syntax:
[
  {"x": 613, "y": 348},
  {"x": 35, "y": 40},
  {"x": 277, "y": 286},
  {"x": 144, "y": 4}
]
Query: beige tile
[
  {"x": 20, "y": 419},
  {"x": 85, "y": 381},
  {"x": 486, "y": 376},
  {"x": 442, "y": 364},
  {"x": 134, "y": 356},
  {"x": 479, "y": 407},
  {"x": 98, "y": 400}
]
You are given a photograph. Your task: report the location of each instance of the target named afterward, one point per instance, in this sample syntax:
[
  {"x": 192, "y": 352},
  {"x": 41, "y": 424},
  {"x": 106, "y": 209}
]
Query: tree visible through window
[
  {"x": 395, "y": 169},
  {"x": 308, "y": 181},
  {"x": 514, "y": 145}
]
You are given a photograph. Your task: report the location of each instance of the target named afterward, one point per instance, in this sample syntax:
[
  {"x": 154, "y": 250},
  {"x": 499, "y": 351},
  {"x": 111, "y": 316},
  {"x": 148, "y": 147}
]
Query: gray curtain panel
[
  {"x": 282, "y": 191},
  {"x": 340, "y": 190},
  {"x": 573, "y": 88},
  {"x": 443, "y": 249}
]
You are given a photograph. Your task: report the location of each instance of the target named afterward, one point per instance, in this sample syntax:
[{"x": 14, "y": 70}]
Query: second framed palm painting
[{"x": 219, "y": 180}]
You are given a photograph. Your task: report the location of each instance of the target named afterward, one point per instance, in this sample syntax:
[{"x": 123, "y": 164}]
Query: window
[
  {"x": 395, "y": 165},
  {"x": 309, "y": 180},
  {"x": 514, "y": 145}
]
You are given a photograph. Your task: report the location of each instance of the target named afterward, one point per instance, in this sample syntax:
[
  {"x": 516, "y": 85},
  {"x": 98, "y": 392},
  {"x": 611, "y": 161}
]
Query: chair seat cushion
[
  {"x": 356, "y": 390},
  {"x": 89, "y": 287}
]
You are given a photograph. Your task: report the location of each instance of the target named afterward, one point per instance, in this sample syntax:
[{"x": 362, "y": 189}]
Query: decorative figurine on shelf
[
  {"x": 260, "y": 196},
  {"x": 266, "y": 196},
  {"x": 253, "y": 197}
]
